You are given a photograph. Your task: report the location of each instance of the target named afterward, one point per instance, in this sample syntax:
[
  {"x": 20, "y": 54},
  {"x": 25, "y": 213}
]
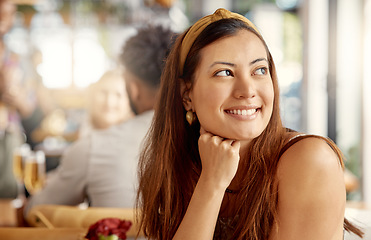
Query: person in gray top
[{"x": 101, "y": 168}]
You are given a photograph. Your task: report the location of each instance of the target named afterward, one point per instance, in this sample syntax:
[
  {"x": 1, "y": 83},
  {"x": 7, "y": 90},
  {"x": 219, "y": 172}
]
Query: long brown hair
[{"x": 170, "y": 165}]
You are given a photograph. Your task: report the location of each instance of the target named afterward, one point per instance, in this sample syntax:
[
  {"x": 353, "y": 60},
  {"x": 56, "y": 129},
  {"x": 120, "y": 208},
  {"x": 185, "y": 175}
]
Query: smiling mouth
[{"x": 244, "y": 112}]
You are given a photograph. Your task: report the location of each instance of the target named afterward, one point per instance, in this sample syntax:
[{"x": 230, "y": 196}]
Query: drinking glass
[
  {"x": 34, "y": 172},
  {"x": 19, "y": 156}
]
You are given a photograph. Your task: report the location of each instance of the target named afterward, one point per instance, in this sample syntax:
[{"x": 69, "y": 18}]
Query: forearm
[
  {"x": 220, "y": 158},
  {"x": 202, "y": 213}
]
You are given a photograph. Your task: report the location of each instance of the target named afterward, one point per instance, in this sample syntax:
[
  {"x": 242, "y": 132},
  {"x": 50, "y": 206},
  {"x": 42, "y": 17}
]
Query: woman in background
[
  {"x": 107, "y": 103},
  {"x": 218, "y": 163}
]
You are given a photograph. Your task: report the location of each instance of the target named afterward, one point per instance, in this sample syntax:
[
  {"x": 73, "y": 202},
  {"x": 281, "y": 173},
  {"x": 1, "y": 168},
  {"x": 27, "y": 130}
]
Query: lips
[{"x": 242, "y": 112}]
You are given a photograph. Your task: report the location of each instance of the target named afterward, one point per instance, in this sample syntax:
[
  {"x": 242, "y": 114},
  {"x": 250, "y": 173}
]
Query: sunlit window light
[
  {"x": 56, "y": 68},
  {"x": 89, "y": 60}
]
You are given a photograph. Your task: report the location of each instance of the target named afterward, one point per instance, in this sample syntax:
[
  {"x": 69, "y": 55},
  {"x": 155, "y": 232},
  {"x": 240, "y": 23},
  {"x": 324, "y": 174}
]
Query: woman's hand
[{"x": 219, "y": 157}]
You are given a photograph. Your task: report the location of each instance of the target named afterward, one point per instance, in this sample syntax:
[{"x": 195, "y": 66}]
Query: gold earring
[{"x": 191, "y": 117}]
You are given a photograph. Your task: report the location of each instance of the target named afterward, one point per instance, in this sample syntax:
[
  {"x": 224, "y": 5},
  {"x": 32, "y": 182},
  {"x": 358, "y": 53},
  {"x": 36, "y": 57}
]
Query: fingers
[
  {"x": 236, "y": 148},
  {"x": 231, "y": 144},
  {"x": 236, "y": 144},
  {"x": 229, "y": 141},
  {"x": 216, "y": 139},
  {"x": 219, "y": 158},
  {"x": 208, "y": 137}
]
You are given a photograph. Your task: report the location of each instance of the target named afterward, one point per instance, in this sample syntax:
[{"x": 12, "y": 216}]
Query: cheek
[
  {"x": 266, "y": 91},
  {"x": 268, "y": 98},
  {"x": 98, "y": 101},
  {"x": 208, "y": 104},
  {"x": 269, "y": 95},
  {"x": 209, "y": 98}
]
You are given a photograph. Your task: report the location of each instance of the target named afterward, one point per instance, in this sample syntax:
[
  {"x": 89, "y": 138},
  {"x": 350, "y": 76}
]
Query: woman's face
[
  {"x": 109, "y": 103},
  {"x": 233, "y": 91}
]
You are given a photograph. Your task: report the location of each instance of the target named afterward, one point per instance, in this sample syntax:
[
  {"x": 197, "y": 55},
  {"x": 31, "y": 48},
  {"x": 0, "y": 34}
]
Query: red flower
[{"x": 108, "y": 226}]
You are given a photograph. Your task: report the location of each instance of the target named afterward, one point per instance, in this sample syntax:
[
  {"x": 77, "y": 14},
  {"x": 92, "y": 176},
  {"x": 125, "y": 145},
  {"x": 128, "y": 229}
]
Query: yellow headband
[{"x": 201, "y": 24}]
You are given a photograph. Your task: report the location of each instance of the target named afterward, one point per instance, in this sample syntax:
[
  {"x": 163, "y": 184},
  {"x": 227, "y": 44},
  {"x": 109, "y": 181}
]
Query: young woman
[{"x": 218, "y": 164}]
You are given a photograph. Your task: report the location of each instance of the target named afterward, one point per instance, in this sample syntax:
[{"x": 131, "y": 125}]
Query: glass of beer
[
  {"x": 19, "y": 156},
  {"x": 34, "y": 172}
]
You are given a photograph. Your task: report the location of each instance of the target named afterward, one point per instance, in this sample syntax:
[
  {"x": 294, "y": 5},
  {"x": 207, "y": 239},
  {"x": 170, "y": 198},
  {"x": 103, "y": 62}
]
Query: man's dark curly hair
[{"x": 145, "y": 53}]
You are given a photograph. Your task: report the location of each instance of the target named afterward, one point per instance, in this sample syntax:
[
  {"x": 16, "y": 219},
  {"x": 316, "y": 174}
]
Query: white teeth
[
  {"x": 250, "y": 111},
  {"x": 243, "y": 112}
]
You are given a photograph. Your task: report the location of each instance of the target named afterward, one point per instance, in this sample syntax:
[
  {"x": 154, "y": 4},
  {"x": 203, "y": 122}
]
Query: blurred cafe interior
[{"x": 322, "y": 50}]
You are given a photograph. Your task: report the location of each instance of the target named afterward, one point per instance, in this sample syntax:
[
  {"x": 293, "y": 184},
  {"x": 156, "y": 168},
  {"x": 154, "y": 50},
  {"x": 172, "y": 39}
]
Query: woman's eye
[
  {"x": 224, "y": 73},
  {"x": 261, "y": 71}
]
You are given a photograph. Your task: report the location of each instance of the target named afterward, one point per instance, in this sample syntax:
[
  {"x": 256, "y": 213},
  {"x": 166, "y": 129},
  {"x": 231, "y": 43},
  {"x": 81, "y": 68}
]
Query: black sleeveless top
[{"x": 224, "y": 228}]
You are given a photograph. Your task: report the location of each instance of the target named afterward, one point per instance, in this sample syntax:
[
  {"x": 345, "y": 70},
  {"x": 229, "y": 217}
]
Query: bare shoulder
[
  {"x": 311, "y": 155},
  {"x": 310, "y": 183}
]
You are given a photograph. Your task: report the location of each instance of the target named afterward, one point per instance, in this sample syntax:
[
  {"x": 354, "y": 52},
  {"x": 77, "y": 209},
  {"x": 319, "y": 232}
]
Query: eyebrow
[
  {"x": 233, "y": 65},
  {"x": 258, "y": 60},
  {"x": 223, "y": 63}
]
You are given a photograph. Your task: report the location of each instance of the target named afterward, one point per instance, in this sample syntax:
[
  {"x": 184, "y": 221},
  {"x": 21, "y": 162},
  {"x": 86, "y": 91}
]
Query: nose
[{"x": 244, "y": 87}]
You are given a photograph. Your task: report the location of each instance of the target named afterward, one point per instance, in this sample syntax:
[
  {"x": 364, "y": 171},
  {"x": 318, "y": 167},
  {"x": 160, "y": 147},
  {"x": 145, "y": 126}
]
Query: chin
[{"x": 246, "y": 135}]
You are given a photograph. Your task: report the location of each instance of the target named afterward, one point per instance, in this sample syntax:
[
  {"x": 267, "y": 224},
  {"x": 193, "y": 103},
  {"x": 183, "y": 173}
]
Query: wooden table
[
  {"x": 30, "y": 233},
  {"x": 9, "y": 212}
]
